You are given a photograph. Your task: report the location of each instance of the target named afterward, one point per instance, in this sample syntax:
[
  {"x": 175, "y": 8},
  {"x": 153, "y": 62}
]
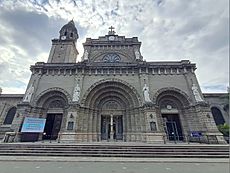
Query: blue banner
[{"x": 35, "y": 125}]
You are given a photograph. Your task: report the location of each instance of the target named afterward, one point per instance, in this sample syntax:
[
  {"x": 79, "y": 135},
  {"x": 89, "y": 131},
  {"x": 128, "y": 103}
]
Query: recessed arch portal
[
  {"x": 172, "y": 103},
  {"x": 111, "y": 88},
  {"x": 54, "y": 104},
  {"x": 115, "y": 102}
]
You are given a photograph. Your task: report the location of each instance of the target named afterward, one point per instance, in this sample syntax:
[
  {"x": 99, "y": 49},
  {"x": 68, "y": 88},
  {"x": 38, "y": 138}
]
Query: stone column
[
  {"x": 90, "y": 126},
  {"x": 23, "y": 110},
  {"x": 111, "y": 128},
  {"x": 94, "y": 125}
]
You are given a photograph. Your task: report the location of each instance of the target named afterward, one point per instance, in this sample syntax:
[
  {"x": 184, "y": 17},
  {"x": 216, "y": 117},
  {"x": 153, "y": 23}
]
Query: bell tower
[{"x": 64, "y": 49}]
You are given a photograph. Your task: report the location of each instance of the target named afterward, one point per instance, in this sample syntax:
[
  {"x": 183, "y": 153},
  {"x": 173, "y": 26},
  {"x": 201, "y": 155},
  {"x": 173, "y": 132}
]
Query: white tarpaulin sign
[{"x": 35, "y": 125}]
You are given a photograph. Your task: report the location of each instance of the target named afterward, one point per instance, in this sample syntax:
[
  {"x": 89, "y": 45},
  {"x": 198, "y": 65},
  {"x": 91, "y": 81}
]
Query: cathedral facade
[{"x": 112, "y": 95}]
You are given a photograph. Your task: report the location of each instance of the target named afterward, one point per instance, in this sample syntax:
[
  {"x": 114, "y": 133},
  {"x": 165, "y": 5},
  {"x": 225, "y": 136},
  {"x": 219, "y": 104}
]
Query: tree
[{"x": 224, "y": 129}]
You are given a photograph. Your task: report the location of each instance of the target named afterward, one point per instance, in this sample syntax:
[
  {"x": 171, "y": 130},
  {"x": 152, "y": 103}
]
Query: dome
[{"x": 69, "y": 31}]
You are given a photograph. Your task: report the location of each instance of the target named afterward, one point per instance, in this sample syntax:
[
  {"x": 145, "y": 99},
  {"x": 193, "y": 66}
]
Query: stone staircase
[{"x": 115, "y": 150}]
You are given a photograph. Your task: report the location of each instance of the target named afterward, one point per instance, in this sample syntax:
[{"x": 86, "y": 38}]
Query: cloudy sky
[{"x": 197, "y": 30}]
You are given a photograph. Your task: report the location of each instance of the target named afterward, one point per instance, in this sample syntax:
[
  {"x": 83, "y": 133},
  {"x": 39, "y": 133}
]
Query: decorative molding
[
  {"x": 186, "y": 100},
  {"x": 55, "y": 91},
  {"x": 103, "y": 54},
  {"x": 111, "y": 58},
  {"x": 111, "y": 80}
]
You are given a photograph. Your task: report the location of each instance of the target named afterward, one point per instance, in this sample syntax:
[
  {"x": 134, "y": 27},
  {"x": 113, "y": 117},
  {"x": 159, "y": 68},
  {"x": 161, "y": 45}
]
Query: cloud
[{"x": 169, "y": 30}]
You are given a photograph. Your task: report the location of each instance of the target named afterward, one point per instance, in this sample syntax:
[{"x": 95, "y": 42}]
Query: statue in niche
[
  {"x": 28, "y": 94},
  {"x": 146, "y": 94},
  {"x": 86, "y": 55},
  {"x": 196, "y": 93},
  {"x": 137, "y": 54},
  {"x": 76, "y": 93}
]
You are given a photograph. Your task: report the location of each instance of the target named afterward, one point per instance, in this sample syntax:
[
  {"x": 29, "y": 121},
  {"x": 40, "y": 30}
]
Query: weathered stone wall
[
  {"x": 7, "y": 101},
  {"x": 220, "y": 101}
]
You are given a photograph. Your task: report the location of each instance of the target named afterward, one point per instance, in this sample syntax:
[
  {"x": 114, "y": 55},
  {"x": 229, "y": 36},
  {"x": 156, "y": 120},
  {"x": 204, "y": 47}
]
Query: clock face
[
  {"x": 111, "y": 38},
  {"x": 63, "y": 37}
]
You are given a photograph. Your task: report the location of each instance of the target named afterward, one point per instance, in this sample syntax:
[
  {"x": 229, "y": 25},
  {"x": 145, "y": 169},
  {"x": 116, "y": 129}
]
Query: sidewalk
[{"x": 112, "y": 159}]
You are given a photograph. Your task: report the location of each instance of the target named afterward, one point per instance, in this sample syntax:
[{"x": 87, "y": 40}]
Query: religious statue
[
  {"x": 28, "y": 94},
  {"x": 146, "y": 94},
  {"x": 137, "y": 54},
  {"x": 196, "y": 93},
  {"x": 86, "y": 55},
  {"x": 76, "y": 93}
]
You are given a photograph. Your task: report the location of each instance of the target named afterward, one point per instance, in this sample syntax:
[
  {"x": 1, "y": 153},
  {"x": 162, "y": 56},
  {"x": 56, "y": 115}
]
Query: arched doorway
[
  {"x": 112, "y": 120},
  {"x": 171, "y": 106},
  {"x": 217, "y": 115},
  {"x": 10, "y": 116},
  {"x": 54, "y": 105},
  {"x": 114, "y": 103}
]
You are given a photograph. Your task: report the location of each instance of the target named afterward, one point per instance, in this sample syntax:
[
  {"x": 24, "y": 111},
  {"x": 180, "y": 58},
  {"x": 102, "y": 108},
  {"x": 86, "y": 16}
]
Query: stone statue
[
  {"x": 137, "y": 54},
  {"x": 146, "y": 94},
  {"x": 196, "y": 93},
  {"x": 76, "y": 93},
  {"x": 28, "y": 94},
  {"x": 86, "y": 55}
]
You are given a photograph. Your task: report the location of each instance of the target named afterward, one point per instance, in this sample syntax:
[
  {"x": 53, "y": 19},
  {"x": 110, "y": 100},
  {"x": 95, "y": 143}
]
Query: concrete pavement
[{"x": 111, "y": 167}]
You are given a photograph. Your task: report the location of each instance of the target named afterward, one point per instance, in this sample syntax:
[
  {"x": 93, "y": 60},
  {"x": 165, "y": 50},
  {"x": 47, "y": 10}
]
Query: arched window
[
  {"x": 10, "y": 116},
  {"x": 217, "y": 115}
]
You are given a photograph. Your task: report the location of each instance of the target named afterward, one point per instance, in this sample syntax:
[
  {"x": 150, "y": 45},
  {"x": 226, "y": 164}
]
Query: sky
[{"x": 170, "y": 30}]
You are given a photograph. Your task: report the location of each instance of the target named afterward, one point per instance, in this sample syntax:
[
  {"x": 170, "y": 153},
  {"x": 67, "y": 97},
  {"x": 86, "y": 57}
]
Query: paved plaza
[{"x": 111, "y": 167}]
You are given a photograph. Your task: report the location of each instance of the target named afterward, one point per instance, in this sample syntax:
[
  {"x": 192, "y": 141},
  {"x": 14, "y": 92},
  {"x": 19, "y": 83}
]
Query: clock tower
[{"x": 64, "y": 49}]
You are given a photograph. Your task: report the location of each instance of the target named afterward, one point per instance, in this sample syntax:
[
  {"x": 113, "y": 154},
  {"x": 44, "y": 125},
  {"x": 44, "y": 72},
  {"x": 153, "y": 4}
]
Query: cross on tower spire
[{"x": 111, "y": 31}]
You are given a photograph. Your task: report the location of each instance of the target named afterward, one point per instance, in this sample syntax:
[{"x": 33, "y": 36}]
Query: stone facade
[
  {"x": 7, "y": 103},
  {"x": 219, "y": 105},
  {"x": 112, "y": 94}
]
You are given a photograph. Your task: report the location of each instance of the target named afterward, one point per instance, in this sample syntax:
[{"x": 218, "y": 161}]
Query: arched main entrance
[
  {"x": 172, "y": 104},
  {"x": 112, "y": 114},
  {"x": 115, "y": 103}
]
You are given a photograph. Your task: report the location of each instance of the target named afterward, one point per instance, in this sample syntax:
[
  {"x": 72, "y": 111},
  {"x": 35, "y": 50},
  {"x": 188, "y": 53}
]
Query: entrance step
[{"x": 115, "y": 150}]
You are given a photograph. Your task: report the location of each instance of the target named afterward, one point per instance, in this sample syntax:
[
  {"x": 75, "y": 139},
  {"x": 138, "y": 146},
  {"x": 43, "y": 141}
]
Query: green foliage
[{"x": 224, "y": 128}]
